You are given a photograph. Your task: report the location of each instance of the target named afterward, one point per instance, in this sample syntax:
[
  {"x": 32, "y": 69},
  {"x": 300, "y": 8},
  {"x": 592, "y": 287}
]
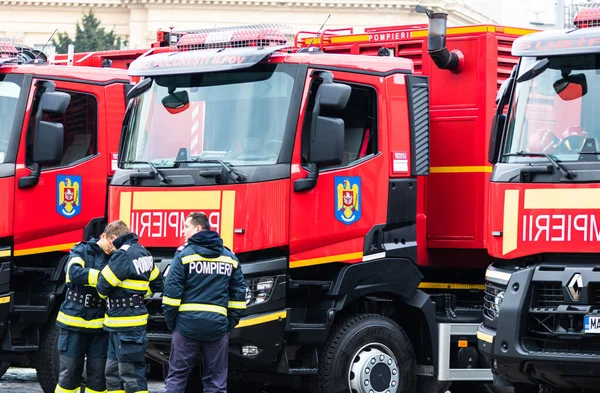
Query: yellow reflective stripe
[
  {"x": 155, "y": 273},
  {"x": 74, "y": 261},
  {"x": 110, "y": 276},
  {"x": 138, "y": 320},
  {"x": 79, "y": 322},
  {"x": 93, "y": 277},
  {"x": 169, "y": 301},
  {"x": 203, "y": 307},
  {"x": 198, "y": 258},
  {"x": 136, "y": 285},
  {"x": 88, "y": 390},
  {"x": 60, "y": 389},
  {"x": 102, "y": 296},
  {"x": 240, "y": 305}
]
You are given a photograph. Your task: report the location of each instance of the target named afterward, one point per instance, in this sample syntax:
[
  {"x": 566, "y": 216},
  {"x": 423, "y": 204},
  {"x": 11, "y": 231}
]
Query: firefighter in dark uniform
[
  {"x": 81, "y": 315},
  {"x": 204, "y": 298},
  {"x": 129, "y": 276}
]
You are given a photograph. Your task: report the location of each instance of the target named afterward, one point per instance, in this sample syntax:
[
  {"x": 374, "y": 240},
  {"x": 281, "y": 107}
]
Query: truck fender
[{"x": 397, "y": 276}]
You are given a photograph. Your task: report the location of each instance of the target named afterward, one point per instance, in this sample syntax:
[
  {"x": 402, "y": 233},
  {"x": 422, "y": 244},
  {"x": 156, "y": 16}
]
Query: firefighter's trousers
[
  {"x": 126, "y": 366},
  {"x": 184, "y": 352},
  {"x": 77, "y": 348}
]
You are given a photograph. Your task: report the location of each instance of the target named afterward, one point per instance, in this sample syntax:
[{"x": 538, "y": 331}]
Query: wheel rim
[{"x": 374, "y": 369}]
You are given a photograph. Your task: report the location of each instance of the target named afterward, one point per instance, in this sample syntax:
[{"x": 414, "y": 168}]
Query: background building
[{"x": 33, "y": 21}]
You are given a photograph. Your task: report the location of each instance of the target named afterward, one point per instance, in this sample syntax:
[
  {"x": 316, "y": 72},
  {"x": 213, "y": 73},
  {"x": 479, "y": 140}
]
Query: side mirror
[
  {"x": 498, "y": 123},
  {"x": 333, "y": 95},
  {"x": 328, "y": 145},
  {"x": 139, "y": 88},
  {"x": 536, "y": 69},
  {"x": 55, "y": 102},
  {"x": 48, "y": 143},
  {"x": 47, "y": 136}
]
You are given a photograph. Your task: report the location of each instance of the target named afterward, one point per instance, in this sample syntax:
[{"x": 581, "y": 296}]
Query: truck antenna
[
  {"x": 317, "y": 33},
  {"x": 44, "y": 47}
]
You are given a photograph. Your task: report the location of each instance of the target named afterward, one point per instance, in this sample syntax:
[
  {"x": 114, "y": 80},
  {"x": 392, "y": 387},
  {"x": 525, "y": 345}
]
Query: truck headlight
[
  {"x": 494, "y": 295},
  {"x": 259, "y": 289}
]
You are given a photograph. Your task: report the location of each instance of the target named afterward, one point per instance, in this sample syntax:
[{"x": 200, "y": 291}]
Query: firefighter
[
  {"x": 203, "y": 301},
  {"x": 129, "y": 276},
  {"x": 81, "y": 314}
]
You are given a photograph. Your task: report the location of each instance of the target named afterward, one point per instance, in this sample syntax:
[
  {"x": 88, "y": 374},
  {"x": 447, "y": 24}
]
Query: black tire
[
  {"x": 365, "y": 334},
  {"x": 47, "y": 359},
  {"x": 4, "y": 368},
  {"x": 527, "y": 388}
]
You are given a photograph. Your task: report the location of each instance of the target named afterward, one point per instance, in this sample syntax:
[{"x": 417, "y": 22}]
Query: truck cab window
[
  {"x": 80, "y": 123},
  {"x": 360, "y": 125}
]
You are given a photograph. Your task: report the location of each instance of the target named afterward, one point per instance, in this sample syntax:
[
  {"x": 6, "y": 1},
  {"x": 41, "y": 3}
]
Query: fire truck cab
[
  {"x": 58, "y": 146},
  {"x": 541, "y": 315},
  {"x": 314, "y": 167}
]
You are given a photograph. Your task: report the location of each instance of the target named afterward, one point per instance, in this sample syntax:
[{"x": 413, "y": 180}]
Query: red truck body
[
  {"x": 541, "y": 324},
  {"x": 453, "y": 204},
  {"x": 47, "y": 209},
  {"x": 417, "y": 191}
]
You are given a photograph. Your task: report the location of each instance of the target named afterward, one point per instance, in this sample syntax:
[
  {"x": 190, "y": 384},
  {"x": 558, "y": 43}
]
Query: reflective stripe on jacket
[
  {"x": 205, "y": 291},
  {"x": 83, "y": 267},
  {"x": 130, "y": 272}
]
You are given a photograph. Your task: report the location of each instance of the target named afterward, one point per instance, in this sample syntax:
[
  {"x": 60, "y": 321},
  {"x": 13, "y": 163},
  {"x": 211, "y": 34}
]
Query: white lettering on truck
[{"x": 561, "y": 227}]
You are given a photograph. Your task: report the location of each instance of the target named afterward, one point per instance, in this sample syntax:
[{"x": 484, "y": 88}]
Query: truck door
[
  {"x": 328, "y": 223},
  {"x": 51, "y": 214}
]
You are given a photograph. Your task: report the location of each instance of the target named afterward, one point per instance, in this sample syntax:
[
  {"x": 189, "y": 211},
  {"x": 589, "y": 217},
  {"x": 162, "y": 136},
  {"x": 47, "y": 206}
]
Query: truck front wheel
[{"x": 366, "y": 353}]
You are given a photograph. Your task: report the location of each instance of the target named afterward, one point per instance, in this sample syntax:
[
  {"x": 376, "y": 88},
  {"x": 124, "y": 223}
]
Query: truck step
[
  {"x": 308, "y": 326},
  {"x": 303, "y": 371},
  {"x": 295, "y": 284}
]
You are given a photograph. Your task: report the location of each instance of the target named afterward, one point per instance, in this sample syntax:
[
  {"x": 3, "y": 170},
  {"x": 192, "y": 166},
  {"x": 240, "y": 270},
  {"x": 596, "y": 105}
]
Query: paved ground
[{"x": 24, "y": 380}]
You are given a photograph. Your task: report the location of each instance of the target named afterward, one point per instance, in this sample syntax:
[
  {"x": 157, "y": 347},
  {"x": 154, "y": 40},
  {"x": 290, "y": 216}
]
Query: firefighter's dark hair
[
  {"x": 199, "y": 219},
  {"x": 116, "y": 228}
]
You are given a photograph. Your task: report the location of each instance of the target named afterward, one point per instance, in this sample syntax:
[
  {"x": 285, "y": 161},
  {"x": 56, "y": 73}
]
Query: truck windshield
[
  {"x": 556, "y": 111},
  {"x": 238, "y": 117},
  {"x": 10, "y": 90}
]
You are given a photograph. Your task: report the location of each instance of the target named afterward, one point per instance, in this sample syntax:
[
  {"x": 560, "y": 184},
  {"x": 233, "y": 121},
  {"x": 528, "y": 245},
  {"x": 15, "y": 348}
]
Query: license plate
[{"x": 591, "y": 324}]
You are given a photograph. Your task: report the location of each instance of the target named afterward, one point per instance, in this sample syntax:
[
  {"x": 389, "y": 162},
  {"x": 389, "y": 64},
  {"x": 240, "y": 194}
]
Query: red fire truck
[
  {"x": 542, "y": 313},
  {"x": 352, "y": 188},
  {"x": 59, "y": 136}
]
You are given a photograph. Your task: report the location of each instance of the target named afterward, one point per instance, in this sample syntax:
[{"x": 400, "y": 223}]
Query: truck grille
[
  {"x": 555, "y": 321},
  {"x": 547, "y": 294}
]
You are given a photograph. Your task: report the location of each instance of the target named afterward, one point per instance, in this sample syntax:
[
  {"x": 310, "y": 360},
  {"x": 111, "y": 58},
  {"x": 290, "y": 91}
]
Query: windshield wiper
[
  {"x": 235, "y": 176},
  {"x": 563, "y": 171},
  {"x": 151, "y": 165}
]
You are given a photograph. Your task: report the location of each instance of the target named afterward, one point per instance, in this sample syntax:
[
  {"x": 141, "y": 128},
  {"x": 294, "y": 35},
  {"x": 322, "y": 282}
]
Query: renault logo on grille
[{"x": 575, "y": 287}]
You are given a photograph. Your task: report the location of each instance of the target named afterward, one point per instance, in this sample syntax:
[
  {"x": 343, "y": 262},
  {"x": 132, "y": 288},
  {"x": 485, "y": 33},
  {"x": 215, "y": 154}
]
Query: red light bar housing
[
  {"x": 7, "y": 49},
  {"x": 587, "y": 17},
  {"x": 233, "y": 37}
]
